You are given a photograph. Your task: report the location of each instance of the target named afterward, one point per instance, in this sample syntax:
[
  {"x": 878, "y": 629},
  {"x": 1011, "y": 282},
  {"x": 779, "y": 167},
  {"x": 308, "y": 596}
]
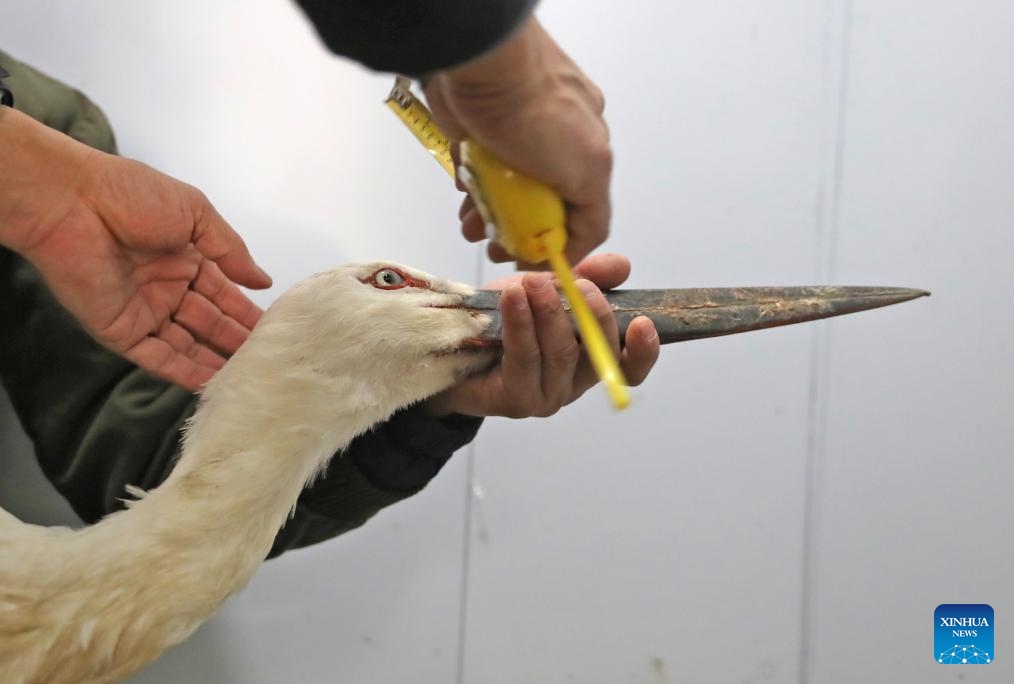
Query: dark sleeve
[
  {"x": 99, "y": 423},
  {"x": 414, "y": 37},
  {"x": 57, "y": 105}
]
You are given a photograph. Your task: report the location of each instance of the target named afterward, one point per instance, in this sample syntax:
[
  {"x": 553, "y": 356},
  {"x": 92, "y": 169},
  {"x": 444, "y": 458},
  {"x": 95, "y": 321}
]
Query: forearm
[
  {"x": 99, "y": 423},
  {"x": 392, "y": 462},
  {"x": 41, "y": 178}
]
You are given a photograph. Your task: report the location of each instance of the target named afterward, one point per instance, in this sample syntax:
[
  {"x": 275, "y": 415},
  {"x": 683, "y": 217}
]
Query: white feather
[{"x": 330, "y": 359}]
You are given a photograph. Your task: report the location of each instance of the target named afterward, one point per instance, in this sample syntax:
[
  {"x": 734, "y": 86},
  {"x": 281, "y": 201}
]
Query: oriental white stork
[{"x": 336, "y": 354}]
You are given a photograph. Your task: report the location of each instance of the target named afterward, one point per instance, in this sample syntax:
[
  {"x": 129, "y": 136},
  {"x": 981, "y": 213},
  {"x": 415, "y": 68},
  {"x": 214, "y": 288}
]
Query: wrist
[
  {"x": 510, "y": 69},
  {"x": 41, "y": 179}
]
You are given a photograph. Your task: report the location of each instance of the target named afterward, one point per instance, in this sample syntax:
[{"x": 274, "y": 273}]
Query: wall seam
[
  {"x": 466, "y": 541},
  {"x": 827, "y": 220}
]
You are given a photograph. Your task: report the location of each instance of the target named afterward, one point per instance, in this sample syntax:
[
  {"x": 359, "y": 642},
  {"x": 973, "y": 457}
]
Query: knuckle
[
  {"x": 547, "y": 309},
  {"x": 605, "y": 129},
  {"x": 597, "y": 302},
  {"x": 197, "y": 199},
  {"x": 567, "y": 354},
  {"x": 598, "y": 99},
  {"x": 516, "y": 411},
  {"x": 602, "y": 155},
  {"x": 549, "y": 410},
  {"x": 546, "y": 303},
  {"x": 529, "y": 356}
]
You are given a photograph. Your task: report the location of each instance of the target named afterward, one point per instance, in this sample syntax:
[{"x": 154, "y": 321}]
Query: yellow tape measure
[
  {"x": 417, "y": 118},
  {"x": 525, "y": 216}
]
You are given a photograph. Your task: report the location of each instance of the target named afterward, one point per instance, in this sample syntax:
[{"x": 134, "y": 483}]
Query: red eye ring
[{"x": 389, "y": 278}]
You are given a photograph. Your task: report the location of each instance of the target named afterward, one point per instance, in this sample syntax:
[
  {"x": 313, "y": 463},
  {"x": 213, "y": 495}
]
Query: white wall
[{"x": 788, "y": 506}]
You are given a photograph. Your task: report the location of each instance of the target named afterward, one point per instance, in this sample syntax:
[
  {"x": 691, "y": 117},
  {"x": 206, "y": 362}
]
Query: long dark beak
[{"x": 690, "y": 314}]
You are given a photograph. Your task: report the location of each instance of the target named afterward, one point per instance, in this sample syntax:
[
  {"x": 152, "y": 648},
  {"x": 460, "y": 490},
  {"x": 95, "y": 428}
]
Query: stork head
[{"x": 379, "y": 333}]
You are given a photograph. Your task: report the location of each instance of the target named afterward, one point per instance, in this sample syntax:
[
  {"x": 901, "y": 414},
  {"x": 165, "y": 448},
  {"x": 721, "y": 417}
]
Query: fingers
[
  {"x": 605, "y": 270},
  {"x": 542, "y": 367},
  {"x": 217, "y": 241},
  {"x": 157, "y": 356},
  {"x": 497, "y": 254},
  {"x": 557, "y": 344},
  {"x": 473, "y": 228},
  {"x": 472, "y": 225},
  {"x": 208, "y": 323},
  {"x": 528, "y": 103},
  {"x": 641, "y": 350},
  {"x": 467, "y": 205},
  {"x": 521, "y": 367},
  {"x": 177, "y": 337},
  {"x": 220, "y": 291},
  {"x": 586, "y": 377},
  {"x": 449, "y": 124},
  {"x": 541, "y": 353},
  {"x": 588, "y": 226}
]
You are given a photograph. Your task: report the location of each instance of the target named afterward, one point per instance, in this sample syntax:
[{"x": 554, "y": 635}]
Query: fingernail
[
  {"x": 650, "y": 334},
  {"x": 587, "y": 287},
  {"x": 516, "y": 298}
]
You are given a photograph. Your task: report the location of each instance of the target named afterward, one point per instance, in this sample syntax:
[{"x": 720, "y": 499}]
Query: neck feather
[{"x": 143, "y": 579}]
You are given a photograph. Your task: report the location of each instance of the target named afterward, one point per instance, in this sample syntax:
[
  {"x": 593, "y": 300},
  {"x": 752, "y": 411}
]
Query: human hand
[
  {"x": 543, "y": 366},
  {"x": 143, "y": 261},
  {"x": 529, "y": 104}
]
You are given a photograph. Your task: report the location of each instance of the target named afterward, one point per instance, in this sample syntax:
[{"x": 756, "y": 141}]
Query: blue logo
[{"x": 963, "y": 634}]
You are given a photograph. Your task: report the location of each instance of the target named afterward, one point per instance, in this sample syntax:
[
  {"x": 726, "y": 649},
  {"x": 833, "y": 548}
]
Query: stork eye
[{"x": 388, "y": 279}]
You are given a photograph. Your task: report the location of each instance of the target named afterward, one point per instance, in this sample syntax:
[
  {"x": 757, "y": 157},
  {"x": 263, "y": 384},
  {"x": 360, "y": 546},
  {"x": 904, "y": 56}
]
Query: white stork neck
[
  {"x": 162, "y": 567},
  {"x": 247, "y": 457}
]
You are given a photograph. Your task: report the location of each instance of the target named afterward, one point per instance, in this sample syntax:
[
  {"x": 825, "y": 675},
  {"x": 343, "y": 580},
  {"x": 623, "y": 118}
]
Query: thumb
[
  {"x": 437, "y": 101},
  {"x": 606, "y": 270},
  {"x": 216, "y": 240}
]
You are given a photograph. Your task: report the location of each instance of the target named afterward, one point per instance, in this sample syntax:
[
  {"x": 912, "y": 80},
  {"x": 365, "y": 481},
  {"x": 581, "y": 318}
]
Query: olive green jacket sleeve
[{"x": 99, "y": 423}]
